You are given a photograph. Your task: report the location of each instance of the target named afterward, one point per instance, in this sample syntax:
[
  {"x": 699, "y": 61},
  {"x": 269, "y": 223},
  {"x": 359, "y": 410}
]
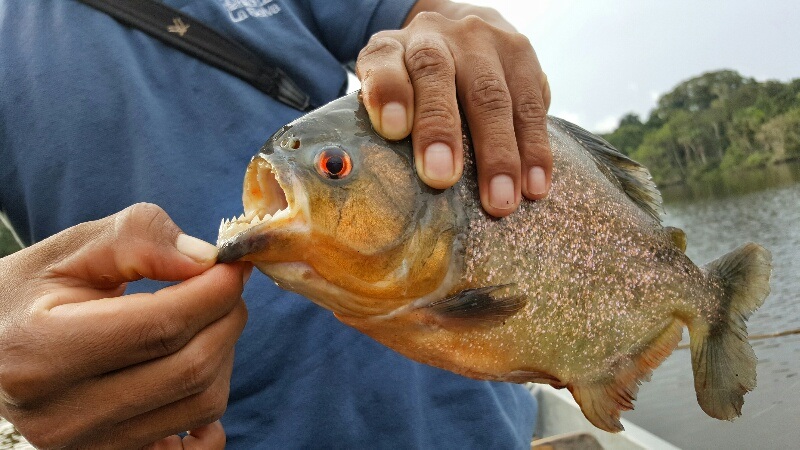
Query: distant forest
[{"x": 717, "y": 122}]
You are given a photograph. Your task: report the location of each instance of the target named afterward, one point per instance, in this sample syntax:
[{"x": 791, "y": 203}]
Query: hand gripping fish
[{"x": 583, "y": 290}]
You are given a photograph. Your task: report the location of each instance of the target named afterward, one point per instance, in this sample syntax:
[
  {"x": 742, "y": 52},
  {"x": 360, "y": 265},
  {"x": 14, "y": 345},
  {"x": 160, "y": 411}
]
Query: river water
[{"x": 718, "y": 218}]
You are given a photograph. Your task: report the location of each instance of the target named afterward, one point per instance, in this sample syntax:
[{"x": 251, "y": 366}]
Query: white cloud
[
  {"x": 606, "y": 125},
  {"x": 569, "y": 116}
]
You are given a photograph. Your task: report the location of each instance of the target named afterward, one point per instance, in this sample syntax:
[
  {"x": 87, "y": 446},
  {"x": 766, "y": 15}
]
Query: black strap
[{"x": 191, "y": 36}]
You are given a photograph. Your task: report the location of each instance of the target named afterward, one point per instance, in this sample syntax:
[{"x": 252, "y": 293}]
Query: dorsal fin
[{"x": 633, "y": 178}]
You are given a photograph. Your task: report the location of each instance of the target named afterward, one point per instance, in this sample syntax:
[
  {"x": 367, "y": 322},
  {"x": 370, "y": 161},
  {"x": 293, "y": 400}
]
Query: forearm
[{"x": 456, "y": 11}]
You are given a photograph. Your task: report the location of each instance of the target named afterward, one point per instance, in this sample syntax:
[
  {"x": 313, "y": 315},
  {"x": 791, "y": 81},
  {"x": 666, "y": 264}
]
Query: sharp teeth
[
  {"x": 255, "y": 220},
  {"x": 241, "y": 217}
]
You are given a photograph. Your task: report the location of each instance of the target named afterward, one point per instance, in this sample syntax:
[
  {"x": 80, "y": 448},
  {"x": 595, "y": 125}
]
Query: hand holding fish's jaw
[{"x": 414, "y": 79}]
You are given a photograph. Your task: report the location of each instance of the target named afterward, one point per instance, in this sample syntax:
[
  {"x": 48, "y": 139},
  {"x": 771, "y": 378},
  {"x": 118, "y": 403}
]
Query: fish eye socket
[{"x": 333, "y": 163}]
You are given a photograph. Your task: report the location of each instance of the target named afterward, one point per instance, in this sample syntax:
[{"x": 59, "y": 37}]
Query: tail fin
[{"x": 723, "y": 361}]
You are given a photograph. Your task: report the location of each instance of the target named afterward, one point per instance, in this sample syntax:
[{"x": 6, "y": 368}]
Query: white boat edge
[{"x": 559, "y": 414}]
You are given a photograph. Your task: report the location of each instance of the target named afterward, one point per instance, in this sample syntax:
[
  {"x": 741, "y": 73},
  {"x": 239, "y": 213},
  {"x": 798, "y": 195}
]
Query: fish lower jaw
[{"x": 302, "y": 278}]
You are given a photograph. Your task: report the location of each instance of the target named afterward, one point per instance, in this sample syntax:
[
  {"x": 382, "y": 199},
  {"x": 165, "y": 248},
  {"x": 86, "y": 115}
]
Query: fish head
[{"x": 336, "y": 213}]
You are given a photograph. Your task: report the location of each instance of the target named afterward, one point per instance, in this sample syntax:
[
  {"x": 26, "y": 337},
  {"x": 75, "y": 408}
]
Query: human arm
[
  {"x": 449, "y": 53},
  {"x": 82, "y": 365}
]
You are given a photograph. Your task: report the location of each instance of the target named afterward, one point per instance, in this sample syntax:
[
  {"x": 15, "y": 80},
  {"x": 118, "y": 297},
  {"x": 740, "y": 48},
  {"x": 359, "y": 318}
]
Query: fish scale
[{"x": 582, "y": 290}]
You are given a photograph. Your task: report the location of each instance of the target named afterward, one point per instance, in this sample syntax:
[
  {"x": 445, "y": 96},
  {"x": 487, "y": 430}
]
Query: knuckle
[
  {"x": 143, "y": 220},
  {"x": 379, "y": 46},
  {"x": 19, "y": 385},
  {"x": 428, "y": 17},
  {"x": 436, "y": 120},
  {"x": 529, "y": 108},
  {"x": 198, "y": 374},
  {"x": 500, "y": 160},
  {"x": 437, "y": 110},
  {"x": 531, "y": 124},
  {"x": 489, "y": 94},
  {"x": 427, "y": 59},
  {"x": 164, "y": 336},
  {"x": 25, "y": 375},
  {"x": 473, "y": 21},
  {"x": 478, "y": 27},
  {"x": 213, "y": 403},
  {"x": 519, "y": 41}
]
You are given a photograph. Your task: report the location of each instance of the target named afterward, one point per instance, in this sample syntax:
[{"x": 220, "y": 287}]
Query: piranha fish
[{"x": 583, "y": 290}]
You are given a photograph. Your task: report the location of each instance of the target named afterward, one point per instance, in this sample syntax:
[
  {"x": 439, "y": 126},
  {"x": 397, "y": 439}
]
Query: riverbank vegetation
[{"x": 717, "y": 123}]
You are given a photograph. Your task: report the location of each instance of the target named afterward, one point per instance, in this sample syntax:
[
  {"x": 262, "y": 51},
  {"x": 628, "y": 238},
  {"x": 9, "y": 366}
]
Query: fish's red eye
[{"x": 334, "y": 163}]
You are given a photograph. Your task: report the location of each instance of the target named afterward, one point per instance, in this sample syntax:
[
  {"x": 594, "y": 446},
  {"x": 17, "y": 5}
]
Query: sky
[{"x": 605, "y": 58}]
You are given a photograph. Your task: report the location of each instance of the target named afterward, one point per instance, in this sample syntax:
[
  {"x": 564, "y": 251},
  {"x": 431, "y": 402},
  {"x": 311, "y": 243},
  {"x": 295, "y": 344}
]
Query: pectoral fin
[{"x": 473, "y": 307}]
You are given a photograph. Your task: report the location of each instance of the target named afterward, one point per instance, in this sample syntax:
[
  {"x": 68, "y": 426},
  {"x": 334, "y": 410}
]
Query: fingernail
[
  {"x": 537, "y": 183},
  {"x": 197, "y": 249},
  {"x": 501, "y": 192},
  {"x": 438, "y": 162},
  {"x": 394, "y": 121}
]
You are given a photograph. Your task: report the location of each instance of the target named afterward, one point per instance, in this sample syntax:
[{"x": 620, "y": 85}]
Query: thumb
[{"x": 140, "y": 241}]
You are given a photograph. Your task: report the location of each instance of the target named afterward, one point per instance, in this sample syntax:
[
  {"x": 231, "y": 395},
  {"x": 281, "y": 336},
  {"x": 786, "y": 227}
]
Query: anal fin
[{"x": 602, "y": 402}]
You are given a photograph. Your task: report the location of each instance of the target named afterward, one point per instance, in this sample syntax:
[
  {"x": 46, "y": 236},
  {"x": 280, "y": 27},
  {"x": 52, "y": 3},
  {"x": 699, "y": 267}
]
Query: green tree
[
  {"x": 629, "y": 135},
  {"x": 780, "y": 137},
  {"x": 718, "y": 121}
]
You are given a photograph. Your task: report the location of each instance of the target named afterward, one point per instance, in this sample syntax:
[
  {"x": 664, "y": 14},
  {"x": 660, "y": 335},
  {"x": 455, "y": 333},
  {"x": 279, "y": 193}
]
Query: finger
[
  {"x": 488, "y": 108},
  {"x": 109, "y": 334},
  {"x": 385, "y": 87},
  {"x": 104, "y": 335},
  {"x": 146, "y": 387},
  {"x": 525, "y": 81},
  {"x": 187, "y": 414},
  {"x": 208, "y": 437},
  {"x": 140, "y": 241},
  {"x": 436, "y": 133}
]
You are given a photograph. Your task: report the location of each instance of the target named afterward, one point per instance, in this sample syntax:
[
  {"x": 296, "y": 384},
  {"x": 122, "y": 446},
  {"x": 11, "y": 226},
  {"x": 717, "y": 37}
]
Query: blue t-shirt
[{"x": 95, "y": 116}]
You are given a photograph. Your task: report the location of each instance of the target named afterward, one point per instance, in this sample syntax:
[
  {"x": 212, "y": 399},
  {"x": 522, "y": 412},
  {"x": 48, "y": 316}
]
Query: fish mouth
[{"x": 271, "y": 202}]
